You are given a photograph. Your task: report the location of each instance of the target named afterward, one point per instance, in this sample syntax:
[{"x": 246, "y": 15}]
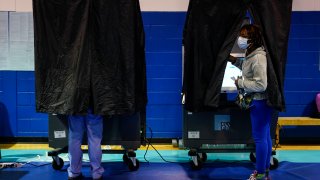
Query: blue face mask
[{"x": 243, "y": 43}]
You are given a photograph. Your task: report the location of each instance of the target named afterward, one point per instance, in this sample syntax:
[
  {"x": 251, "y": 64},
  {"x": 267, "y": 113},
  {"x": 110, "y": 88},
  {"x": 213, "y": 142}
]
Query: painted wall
[{"x": 163, "y": 47}]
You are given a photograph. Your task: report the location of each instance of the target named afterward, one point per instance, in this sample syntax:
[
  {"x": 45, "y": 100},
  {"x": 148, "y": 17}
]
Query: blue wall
[
  {"x": 163, "y": 47},
  {"x": 302, "y": 80}
]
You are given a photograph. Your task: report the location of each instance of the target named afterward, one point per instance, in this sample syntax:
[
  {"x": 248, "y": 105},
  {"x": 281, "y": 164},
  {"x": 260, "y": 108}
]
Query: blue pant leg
[
  {"x": 260, "y": 133},
  {"x": 94, "y": 131},
  {"x": 268, "y": 116},
  {"x": 76, "y": 131}
]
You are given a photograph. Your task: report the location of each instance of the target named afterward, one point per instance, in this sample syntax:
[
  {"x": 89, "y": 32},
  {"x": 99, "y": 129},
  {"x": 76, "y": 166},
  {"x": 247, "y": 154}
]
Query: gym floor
[{"x": 32, "y": 161}]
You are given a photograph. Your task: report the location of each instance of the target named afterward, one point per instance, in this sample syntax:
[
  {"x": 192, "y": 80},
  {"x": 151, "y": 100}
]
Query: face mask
[{"x": 243, "y": 42}]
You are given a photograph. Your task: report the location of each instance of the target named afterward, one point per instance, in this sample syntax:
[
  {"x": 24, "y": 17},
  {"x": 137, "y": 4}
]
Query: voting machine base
[
  {"x": 227, "y": 129},
  {"x": 125, "y": 131}
]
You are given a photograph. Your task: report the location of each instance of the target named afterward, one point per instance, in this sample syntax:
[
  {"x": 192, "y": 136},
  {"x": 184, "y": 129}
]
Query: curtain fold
[
  {"x": 209, "y": 34},
  {"x": 89, "y": 54},
  {"x": 274, "y": 18},
  {"x": 211, "y": 30}
]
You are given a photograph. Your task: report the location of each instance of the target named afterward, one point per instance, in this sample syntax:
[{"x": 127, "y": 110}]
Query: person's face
[
  {"x": 243, "y": 39},
  {"x": 244, "y": 33}
]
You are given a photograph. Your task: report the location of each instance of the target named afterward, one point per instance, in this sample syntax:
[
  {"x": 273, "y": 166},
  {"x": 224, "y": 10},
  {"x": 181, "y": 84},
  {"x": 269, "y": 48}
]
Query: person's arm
[
  {"x": 235, "y": 61},
  {"x": 258, "y": 83}
]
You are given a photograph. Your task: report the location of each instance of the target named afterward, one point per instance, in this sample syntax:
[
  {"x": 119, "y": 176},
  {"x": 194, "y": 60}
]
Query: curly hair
[{"x": 254, "y": 34}]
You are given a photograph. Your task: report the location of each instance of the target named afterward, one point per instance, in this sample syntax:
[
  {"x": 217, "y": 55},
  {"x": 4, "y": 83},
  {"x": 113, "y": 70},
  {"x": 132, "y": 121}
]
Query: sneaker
[
  {"x": 256, "y": 176},
  {"x": 76, "y": 177}
]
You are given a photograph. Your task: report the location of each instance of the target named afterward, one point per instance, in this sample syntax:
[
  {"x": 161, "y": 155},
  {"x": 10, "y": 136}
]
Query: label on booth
[
  {"x": 60, "y": 134},
  {"x": 222, "y": 122},
  {"x": 194, "y": 134}
]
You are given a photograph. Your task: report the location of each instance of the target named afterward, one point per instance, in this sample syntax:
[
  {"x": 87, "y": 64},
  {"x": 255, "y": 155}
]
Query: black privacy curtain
[
  {"x": 89, "y": 54},
  {"x": 211, "y": 29}
]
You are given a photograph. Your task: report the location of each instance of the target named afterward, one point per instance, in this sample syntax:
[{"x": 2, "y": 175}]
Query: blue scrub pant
[
  {"x": 93, "y": 125},
  {"x": 261, "y": 115}
]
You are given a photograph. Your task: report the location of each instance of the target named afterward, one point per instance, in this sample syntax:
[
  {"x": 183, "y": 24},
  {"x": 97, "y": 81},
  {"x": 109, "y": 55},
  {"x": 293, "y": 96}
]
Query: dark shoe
[{"x": 76, "y": 178}]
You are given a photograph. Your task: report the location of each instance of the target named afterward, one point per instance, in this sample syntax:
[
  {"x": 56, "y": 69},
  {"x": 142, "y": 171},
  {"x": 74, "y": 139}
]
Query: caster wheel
[
  {"x": 252, "y": 157},
  {"x": 133, "y": 167},
  {"x": 125, "y": 158},
  {"x": 197, "y": 166},
  {"x": 204, "y": 157},
  {"x": 56, "y": 165},
  {"x": 274, "y": 164}
]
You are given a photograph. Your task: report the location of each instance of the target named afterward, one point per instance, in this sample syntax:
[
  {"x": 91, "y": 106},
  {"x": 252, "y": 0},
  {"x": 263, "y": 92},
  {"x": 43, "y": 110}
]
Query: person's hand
[
  {"x": 236, "y": 82},
  {"x": 232, "y": 59}
]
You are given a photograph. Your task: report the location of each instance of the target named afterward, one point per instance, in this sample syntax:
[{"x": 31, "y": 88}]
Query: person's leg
[
  {"x": 76, "y": 130},
  {"x": 94, "y": 132},
  {"x": 260, "y": 129},
  {"x": 268, "y": 117}
]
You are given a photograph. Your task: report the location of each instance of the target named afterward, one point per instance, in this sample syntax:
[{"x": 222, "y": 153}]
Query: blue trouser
[
  {"x": 261, "y": 115},
  {"x": 93, "y": 125}
]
